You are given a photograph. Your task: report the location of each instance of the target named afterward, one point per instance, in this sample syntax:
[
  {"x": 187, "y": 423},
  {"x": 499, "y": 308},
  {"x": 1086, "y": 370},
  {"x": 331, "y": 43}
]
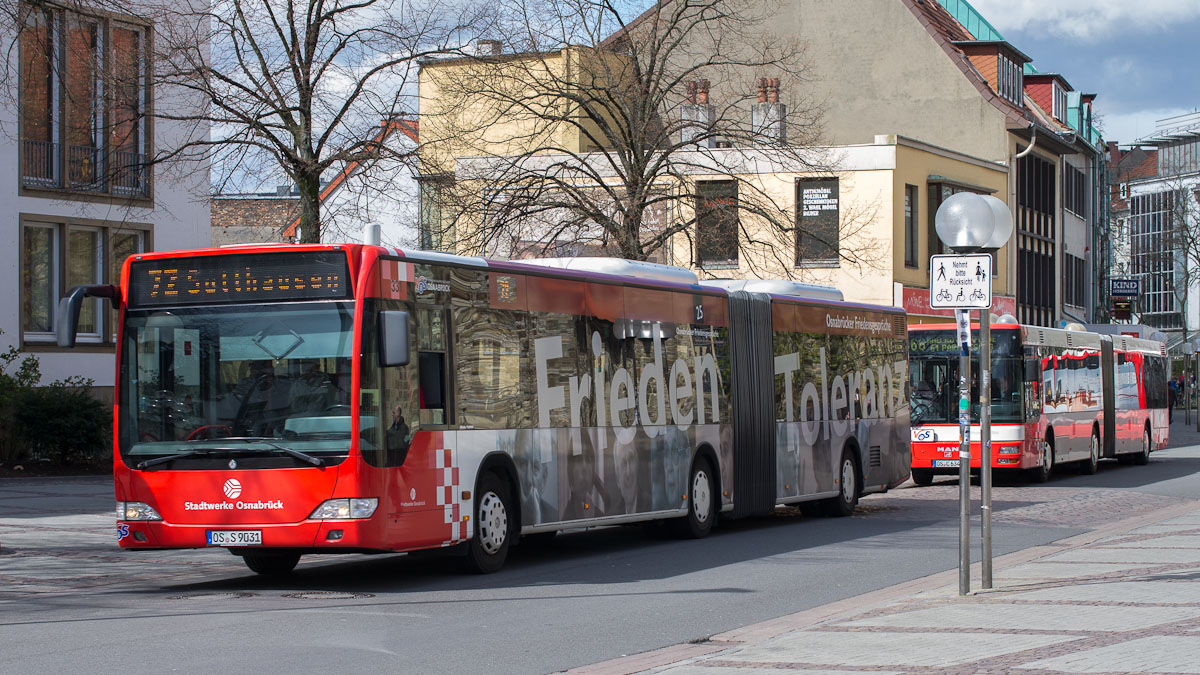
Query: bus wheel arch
[
  {"x": 1041, "y": 473},
  {"x": 703, "y": 501},
  {"x": 497, "y": 515},
  {"x": 849, "y": 468},
  {"x": 1142, "y": 458},
  {"x": 1090, "y": 465}
]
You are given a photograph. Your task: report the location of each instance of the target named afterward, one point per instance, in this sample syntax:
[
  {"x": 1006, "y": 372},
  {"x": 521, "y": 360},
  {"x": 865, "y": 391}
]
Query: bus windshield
[
  {"x": 252, "y": 378},
  {"x": 933, "y": 368}
]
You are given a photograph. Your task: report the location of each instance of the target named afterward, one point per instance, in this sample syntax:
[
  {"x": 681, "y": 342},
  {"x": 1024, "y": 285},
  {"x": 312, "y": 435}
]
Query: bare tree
[
  {"x": 583, "y": 129},
  {"x": 297, "y": 87}
]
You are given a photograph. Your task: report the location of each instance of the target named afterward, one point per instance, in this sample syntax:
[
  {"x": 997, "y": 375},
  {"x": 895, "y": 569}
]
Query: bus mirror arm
[
  {"x": 68, "y": 309},
  {"x": 393, "y": 338}
]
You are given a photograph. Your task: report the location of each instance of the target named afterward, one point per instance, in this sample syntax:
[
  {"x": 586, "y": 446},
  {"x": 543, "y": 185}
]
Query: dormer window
[
  {"x": 1060, "y": 102},
  {"x": 1009, "y": 79}
]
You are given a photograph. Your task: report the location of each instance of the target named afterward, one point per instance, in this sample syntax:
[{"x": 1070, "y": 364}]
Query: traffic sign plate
[{"x": 960, "y": 281}]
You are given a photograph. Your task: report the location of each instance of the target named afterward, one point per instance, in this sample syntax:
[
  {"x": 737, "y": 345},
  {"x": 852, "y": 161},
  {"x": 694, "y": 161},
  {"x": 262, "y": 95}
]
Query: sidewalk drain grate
[
  {"x": 213, "y": 596},
  {"x": 327, "y": 595}
]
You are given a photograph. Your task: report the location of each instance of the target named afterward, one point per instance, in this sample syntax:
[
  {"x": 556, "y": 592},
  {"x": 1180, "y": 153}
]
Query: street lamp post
[{"x": 965, "y": 223}]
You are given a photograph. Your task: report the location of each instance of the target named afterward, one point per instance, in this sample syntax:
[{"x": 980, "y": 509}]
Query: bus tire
[
  {"x": 273, "y": 564},
  {"x": 1092, "y": 463},
  {"x": 488, "y": 548},
  {"x": 848, "y": 489},
  {"x": 1041, "y": 473},
  {"x": 702, "y": 503},
  {"x": 922, "y": 477},
  {"x": 1143, "y": 458}
]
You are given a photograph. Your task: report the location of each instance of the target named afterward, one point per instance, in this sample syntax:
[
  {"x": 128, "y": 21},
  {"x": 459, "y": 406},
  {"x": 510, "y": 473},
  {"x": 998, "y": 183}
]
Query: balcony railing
[
  {"x": 40, "y": 164},
  {"x": 87, "y": 169}
]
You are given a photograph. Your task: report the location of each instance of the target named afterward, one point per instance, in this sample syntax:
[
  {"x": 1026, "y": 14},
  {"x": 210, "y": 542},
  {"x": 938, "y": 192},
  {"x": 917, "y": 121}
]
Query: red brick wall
[{"x": 252, "y": 219}]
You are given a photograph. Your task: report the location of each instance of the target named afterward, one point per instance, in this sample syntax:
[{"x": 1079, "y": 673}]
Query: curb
[{"x": 860, "y": 604}]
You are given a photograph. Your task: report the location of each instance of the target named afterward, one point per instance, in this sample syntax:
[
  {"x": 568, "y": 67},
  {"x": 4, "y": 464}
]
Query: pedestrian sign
[{"x": 960, "y": 281}]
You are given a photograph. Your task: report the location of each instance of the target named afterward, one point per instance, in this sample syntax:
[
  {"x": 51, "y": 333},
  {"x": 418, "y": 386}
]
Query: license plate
[
  {"x": 235, "y": 537},
  {"x": 946, "y": 462}
]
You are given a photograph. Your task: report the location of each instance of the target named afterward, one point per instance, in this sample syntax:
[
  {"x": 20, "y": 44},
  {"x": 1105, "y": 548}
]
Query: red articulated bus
[
  {"x": 285, "y": 400},
  {"x": 1057, "y": 396}
]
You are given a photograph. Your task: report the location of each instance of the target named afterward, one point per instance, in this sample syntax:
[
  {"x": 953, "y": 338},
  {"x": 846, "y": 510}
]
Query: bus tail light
[
  {"x": 346, "y": 508},
  {"x": 136, "y": 511}
]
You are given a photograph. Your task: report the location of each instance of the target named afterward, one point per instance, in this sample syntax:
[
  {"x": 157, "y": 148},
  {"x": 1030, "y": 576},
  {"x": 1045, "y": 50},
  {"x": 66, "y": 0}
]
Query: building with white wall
[{"x": 83, "y": 189}]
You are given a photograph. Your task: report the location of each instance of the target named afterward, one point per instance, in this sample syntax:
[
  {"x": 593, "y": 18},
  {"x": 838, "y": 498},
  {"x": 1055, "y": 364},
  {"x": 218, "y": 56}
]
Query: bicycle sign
[{"x": 960, "y": 281}]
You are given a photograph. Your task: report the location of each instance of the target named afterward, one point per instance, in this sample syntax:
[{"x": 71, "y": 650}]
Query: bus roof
[{"x": 1060, "y": 337}]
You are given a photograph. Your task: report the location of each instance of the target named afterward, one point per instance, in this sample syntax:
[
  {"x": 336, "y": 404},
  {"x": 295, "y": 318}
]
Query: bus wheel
[
  {"x": 843, "y": 504},
  {"x": 271, "y": 563},
  {"x": 1041, "y": 473},
  {"x": 922, "y": 477},
  {"x": 1089, "y": 465},
  {"x": 702, "y": 504},
  {"x": 487, "y": 550},
  {"x": 1143, "y": 458}
]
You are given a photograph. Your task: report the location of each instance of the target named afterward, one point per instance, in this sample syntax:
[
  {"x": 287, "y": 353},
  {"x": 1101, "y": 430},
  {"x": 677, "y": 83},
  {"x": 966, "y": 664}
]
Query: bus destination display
[{"x": 315, "y": 275}]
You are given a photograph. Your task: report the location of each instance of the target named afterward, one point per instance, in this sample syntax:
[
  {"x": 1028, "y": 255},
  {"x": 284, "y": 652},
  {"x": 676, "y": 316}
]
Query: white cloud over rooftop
[{"x": 1086, "y": 19}]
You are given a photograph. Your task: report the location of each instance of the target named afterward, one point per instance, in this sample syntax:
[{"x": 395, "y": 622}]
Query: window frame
[
  {"x": 912, "y": 238},
  {"x": 718, "y": 186},
  {"x": 89, "y": 172},
  {"x": 108, "y": 272}
]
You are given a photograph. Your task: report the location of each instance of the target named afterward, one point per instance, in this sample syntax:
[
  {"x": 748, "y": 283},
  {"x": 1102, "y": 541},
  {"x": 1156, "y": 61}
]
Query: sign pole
[
  {"x": 964, "y": 451},
  {"x": 985, "y": 444}
]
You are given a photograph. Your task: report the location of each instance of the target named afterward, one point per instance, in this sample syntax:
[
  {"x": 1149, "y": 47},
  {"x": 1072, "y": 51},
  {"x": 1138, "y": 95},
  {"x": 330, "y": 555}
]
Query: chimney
[
  {"x": 698, "y": 115},
  {"x": 768, "y": 117}
]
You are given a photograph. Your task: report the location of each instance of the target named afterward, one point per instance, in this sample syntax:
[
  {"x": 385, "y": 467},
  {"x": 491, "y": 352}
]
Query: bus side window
[{"x": 432, "y": 364}]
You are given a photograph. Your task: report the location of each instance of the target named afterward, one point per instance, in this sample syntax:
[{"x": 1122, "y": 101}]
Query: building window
[
  {"x": 717, "y": 223},
  {"x": 1060, "y": 102},
  {"x": 58, "y": 256},
  {"x": 84, "y": 95},
  {"x": 1152, "y": 223},
  {"x": 1075, "y": 191},
  {"x": 1074, "y": 279},
  {"x": 911, "y": 240},
  {"x": 1010, "y": 79},
  {"x": 818, "y": 222}
]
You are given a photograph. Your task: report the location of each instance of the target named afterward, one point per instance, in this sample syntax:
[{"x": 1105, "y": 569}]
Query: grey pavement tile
[
  {"x": 696, "y": 669},
  {"x": 1158, "y": 654},
  {"x": 1036, "y": 617},
  {"x": 1175, "y": 541},
  {"x": 1063, "y": 570},
  {"x": 1149, "y": 591},
  {"x": 1159, "y": 556},
  {"x": 909, "y": 649}
]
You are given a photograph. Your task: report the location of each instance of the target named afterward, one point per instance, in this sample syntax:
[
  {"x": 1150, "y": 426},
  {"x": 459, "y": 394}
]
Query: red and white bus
[
  {"x": 284, "y": 400},
  {"x": 1057, "y": 396}
]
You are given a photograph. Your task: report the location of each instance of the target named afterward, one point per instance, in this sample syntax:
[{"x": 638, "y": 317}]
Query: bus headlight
[
  {"x": 136, "y": 511},
  {"x": 359, "y": 507}
]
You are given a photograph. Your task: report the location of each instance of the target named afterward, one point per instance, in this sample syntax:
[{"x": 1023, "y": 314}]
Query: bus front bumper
[{"x": 308, "y": 534}]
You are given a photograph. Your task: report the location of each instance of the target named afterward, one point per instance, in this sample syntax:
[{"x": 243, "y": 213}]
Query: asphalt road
[{"x": 71, "y": 601}]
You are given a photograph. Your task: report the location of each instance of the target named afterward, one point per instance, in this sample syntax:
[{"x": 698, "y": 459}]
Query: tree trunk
[{"x": 310, "y": 208}]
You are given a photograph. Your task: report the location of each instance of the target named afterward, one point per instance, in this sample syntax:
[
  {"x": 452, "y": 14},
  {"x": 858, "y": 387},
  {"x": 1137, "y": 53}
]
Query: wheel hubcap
[
  {"x": 1046, "y": 455},
  {"x": 701, "y": 497},
  {"x": 848, "y": 481},
  {"x": 493, "y": 523},
  {"x": 1146, "y": 444},
  {"x": 1095, "y": 450}
]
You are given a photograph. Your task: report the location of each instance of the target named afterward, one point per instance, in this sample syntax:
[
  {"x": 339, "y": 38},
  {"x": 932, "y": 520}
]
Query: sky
[{"x": 1141, "y": 58}]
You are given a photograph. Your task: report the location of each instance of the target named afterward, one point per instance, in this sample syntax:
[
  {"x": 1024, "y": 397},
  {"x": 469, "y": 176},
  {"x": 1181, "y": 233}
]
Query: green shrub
[{"x": 61, "y": 422}]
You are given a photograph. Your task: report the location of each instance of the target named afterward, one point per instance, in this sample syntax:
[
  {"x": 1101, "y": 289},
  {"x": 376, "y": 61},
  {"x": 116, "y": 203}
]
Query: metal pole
[
  {"x": 985, "y": 443},
  {"x": 964, "y": 459}
]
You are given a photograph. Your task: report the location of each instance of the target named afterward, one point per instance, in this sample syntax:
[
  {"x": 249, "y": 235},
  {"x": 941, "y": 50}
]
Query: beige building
[{"x": 914, "y": 108}]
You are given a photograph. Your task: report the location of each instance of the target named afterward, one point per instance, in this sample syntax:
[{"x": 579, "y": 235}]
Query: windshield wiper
[{"x": 304, "y": 457}]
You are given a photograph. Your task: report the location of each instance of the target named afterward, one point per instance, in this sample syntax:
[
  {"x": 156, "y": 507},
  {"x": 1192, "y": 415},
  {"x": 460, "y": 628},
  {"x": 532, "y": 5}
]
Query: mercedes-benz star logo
[{"x": 233, "y": 488}]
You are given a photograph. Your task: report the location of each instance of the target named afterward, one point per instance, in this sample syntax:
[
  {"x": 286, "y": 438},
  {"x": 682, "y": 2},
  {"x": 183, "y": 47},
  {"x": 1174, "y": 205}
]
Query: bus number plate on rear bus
[
  {"x": 235, "y": 537},
  {"x": 953, "y": 463}
]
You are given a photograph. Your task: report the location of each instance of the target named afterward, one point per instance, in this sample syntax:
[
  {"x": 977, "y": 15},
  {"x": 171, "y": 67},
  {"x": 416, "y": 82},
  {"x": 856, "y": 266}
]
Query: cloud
[
  {"x": 1086, "y": 19},
  {"x": 1128, "y": 127}
]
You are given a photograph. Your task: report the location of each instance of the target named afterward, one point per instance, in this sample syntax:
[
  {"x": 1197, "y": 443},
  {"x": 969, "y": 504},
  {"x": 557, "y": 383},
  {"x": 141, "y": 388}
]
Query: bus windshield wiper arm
[
  {"x": 304, "y": 457},
  {"x": 146, "y": 464}
]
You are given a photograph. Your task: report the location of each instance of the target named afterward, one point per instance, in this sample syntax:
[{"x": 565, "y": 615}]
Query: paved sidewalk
[{"x": 1122, "y": 598}]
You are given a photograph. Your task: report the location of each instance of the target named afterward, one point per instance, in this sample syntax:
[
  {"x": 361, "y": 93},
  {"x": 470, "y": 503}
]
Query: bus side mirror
[
  {"x": 68, "y": 309},
  {"x": 393, "y": 338}
]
